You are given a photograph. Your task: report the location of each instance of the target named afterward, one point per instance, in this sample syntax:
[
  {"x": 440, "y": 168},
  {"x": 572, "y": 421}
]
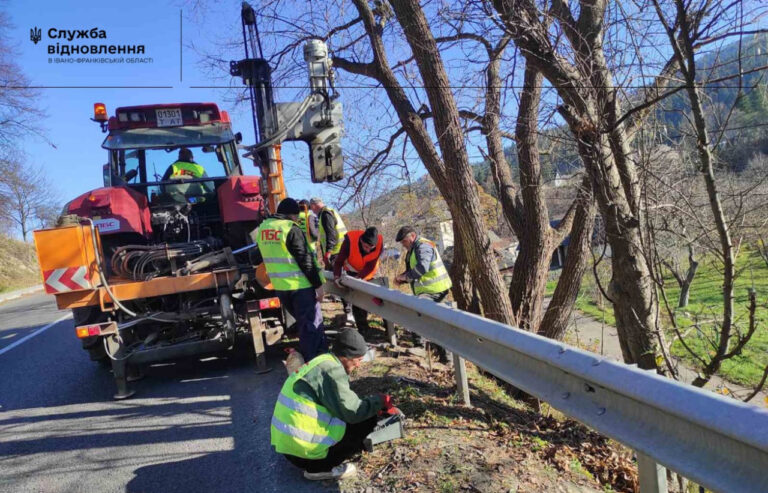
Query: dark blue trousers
[{"x": 303, "y": 306}]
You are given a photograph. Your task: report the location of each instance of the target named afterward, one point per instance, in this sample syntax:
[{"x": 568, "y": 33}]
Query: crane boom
[{"x": 317, "y": 120}]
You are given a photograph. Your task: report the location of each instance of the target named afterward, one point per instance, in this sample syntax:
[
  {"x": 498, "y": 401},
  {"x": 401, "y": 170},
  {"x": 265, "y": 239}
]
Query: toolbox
[{"x": 389, "y": 428}]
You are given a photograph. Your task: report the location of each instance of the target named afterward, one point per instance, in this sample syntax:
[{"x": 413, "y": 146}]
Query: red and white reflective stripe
[{"x": 66, "y": 279}]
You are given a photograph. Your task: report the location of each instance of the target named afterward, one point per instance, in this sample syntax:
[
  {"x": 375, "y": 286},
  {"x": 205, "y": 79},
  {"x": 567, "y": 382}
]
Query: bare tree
[
  {"x": 25, "y": 196},
  {"x": 684, "y": 28},
  {"x": 19, "y": 111},
  {"x": 525, "y": 207},
  {"x": 592, "y": 110},
  {"x": 449, "y": 167}
]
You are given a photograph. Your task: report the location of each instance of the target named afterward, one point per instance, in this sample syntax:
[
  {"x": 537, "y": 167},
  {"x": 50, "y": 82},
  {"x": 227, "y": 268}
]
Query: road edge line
[{"x": 33, "y": 334}]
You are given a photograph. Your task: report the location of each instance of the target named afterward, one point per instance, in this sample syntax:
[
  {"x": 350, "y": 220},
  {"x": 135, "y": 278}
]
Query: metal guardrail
[{"x": 719, "y": 443}]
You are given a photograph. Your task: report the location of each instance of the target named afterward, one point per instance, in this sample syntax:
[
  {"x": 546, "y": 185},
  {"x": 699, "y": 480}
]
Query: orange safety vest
[{"x": 356, "y": 260}]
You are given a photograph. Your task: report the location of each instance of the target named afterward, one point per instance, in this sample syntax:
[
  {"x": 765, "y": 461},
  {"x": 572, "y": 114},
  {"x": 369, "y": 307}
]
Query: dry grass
[
  {"x": 499, "y": 444},
  {"x": 18, "y": 265}
]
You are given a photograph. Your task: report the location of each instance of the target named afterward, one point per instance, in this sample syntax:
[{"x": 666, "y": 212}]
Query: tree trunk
[
  {"x": 685, "y": 286},
  {"x": 457, "y": 184},
  {"x": 558, "y": 312},
  {"x": 684, "y": 52},
  {"x": 464, "y": 291},
  {"x": 537, "y": 240},
  {"x": 591, "y": 109},
  {"x": 502, "y": 176}
]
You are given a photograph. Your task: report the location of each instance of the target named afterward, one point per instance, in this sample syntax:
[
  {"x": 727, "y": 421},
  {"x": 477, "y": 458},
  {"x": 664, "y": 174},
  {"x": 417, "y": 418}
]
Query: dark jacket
[
  {"x": 312, "y": 222},
  {"x": 328, "y": 384},
  {"x": 296, "y": 243},
  {"x": 424, "y": 255},
  {"x": 331, "y": 235}
]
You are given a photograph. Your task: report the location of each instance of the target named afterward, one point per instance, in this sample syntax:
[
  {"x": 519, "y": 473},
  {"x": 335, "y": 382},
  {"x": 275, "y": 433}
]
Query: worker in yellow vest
[
  {"x": 424, "y": 271},
  {"x": 308, "y": 223},
  {"x": 184, "y": 167},
  {"x": 318, "y": 421},
  {"x": 331, "y": 230},
  {"x": 294, "y": 273}
]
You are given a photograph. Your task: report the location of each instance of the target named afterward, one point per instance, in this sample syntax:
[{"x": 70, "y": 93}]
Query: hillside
[
  {"x": 744, "y": 142},
  {"x": 419, "y": 205},
  {"x": 18, "y": 265}
]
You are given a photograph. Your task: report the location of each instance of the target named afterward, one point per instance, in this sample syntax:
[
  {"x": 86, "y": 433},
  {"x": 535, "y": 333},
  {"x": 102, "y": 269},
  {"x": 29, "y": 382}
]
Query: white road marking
[{"x": 33, "y": 334}]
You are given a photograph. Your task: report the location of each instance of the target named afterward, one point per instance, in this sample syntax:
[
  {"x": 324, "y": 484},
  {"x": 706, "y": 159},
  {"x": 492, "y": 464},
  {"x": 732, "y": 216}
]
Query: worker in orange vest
[{"x": 359, "y": 257}]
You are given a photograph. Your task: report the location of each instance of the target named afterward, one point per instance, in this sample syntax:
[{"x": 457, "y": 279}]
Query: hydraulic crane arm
[{"x": 317, "y": 120}]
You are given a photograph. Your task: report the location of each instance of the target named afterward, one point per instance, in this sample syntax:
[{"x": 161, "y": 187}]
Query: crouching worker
[{"x": 319, "y": 421}]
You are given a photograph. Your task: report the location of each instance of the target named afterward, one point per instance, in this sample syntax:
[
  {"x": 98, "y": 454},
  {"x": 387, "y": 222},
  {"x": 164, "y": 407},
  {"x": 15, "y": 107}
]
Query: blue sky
[{"x": 73, "y": 158}]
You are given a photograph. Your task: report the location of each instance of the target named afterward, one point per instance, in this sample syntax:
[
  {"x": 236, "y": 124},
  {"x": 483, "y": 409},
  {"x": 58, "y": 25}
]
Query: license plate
[{"x": 170, "y": 117}]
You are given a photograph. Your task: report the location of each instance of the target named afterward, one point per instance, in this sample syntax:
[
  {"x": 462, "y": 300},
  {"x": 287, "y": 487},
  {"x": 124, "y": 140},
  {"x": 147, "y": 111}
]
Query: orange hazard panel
[{"x": 67, "y": 259}]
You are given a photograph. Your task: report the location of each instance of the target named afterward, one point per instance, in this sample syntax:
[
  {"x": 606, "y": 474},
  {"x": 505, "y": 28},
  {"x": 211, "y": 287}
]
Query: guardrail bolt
[
  {"x": 565, "y": 395},
  {"x": 600, "y": 411}
]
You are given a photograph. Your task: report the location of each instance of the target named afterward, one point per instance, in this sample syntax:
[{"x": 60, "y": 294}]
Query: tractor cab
[{"x": 172, "y": 175}]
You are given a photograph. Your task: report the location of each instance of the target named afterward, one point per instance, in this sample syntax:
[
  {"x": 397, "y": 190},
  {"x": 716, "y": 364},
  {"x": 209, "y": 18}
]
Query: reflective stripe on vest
[
  {"x": 282, "y": 268},
  {"x": 300, "y": 426},
  {"x": 181, "y": 169},
  {"x": 310, "y": 411},
  {"x": 436, "y": 279},
  {"x": 357, "y": 260},
  {"x": 341, "y": 230}
]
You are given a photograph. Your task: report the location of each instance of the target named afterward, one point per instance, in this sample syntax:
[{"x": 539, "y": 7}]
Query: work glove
[
  {"x": 386, "y": 401},
  {"x": 337, "y": 282},
  {"x": 327, "y": 259},
  {"x": 319, "y": 294},
  {"x": 387, "y": 406}
]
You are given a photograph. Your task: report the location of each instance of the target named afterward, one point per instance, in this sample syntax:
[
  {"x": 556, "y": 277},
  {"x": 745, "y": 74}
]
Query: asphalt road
[{"x": 200, "y": 425}]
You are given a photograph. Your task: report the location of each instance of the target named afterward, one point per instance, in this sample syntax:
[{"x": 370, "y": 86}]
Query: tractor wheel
[{"x": 227, "y": 311}]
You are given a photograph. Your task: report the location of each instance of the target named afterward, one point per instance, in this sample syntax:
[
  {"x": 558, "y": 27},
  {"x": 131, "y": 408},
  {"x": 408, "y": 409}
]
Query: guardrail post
[
  {"x": 388, "y": 324},
  {"x": 391, "y": 335},
  {"x": 653, "y": 476},
  {"x": 462, "y": 385}
]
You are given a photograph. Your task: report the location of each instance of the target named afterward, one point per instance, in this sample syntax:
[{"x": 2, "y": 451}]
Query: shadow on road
[
  {"x": 213, "y": 413},
  {"x": 251, "y": 465}
]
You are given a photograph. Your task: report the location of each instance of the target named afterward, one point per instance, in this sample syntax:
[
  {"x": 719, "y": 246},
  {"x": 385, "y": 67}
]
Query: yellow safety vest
[
  {"x": 436, "y": 279},
  {"x": 282, "y": 268},
  {"x": 341, "y": 230},
  {"x": 300, "y": 426},
  {"x": 303, "y": 223},
  {"x": 182, "y": 169}
]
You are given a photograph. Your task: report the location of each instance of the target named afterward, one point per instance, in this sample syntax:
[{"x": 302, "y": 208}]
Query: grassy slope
[
  {"x": 705, "y": 307},
  {"x": 18, "y": 265}
]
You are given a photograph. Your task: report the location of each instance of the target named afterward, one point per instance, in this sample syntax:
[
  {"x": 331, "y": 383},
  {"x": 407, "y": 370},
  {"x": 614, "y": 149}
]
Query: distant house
[
  {"x": 445, "y": 236},
  {"x": 565, "y": 179}
]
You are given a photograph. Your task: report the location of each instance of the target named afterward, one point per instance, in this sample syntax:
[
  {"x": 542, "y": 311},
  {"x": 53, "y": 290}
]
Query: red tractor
[{"x": 155, "y": 265}]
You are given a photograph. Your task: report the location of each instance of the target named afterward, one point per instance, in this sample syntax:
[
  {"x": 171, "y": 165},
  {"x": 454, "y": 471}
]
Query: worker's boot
[
  {"x": 360, "y": 317},
  {"x": 342, "y": 471},
  {"x": 350, "y": 319}
]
